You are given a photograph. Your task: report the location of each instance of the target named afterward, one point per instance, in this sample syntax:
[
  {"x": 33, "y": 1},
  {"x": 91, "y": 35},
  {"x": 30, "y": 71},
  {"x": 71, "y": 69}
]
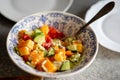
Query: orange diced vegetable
[
  {"x": 77, "y": 42},
  {"x": 80, "y": 48},
  {"x": 60, "y": 55},
  {"x": 56, "y": 48},
  {"x": 64, "y": 43},
  {"x": 48, "y": 66},
  {"x": 24, "y": 51},
  {"x": 69, "y": 53},
  {"x": 21, "y": 43},
  {"x": 36, "y": 57},
  {"x": 21, "y": 33},
  {"x": 21, "y": 40},
  {"x": 53, "y": 54},
  {"x": 29, "y": 43},
  {"x": 45, "y": 29}
]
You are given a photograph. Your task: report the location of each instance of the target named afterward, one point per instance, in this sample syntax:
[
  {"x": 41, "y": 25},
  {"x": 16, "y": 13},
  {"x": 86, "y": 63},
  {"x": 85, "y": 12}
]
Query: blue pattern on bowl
[{"x": 66, "y": 23}]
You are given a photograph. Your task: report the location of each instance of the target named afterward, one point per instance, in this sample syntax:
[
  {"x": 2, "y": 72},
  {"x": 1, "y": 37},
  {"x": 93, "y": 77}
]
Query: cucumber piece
[
  {"x": 51, "y": 52},
  {"x": 66, "y": 65},
  {"x": 28, "y": 63},
  {"x": 39, "y": 38},
  {"x": 45, "y": 53},
  {"x": 37, "y": 31},
  {"x": 71, "y": 65},
  {"x": 75, "y": 57},
  {"x": 16, "y": 49},
  {"x": 72, "y": 47}
]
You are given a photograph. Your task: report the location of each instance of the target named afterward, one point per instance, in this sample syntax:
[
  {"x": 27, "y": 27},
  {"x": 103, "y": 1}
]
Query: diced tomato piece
[
  {"x": 48, "y": 42},
  {"x": 54, "y": 33},
  {"x": 46, "y": 45},
  {"x": 48, "y": 38},
  {"x": 26, "y": 37},
  {"x": 25, "y": 57},
  {"x": 21, "y": 33},
  {"x": 39, "y": 66},
  {"x": 51, "y": 58},
  {"x": 61, "y": 35}
]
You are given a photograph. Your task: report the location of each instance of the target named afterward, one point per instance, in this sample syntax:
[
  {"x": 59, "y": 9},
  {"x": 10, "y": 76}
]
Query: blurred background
[{"x": 79, "y": 7}]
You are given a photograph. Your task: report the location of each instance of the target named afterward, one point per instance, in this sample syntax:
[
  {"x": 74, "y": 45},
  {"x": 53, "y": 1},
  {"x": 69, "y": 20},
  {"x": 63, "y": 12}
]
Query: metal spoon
[{"x": 107, "y": 8}]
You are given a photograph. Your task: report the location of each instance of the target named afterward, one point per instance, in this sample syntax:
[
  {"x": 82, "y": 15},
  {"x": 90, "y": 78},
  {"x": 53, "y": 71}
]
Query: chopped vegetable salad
[{"x": 44, "y": 49}]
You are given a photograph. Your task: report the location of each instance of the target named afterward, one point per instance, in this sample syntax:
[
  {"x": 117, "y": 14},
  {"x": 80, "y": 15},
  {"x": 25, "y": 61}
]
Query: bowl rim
[{"x": 53, "y": 75}]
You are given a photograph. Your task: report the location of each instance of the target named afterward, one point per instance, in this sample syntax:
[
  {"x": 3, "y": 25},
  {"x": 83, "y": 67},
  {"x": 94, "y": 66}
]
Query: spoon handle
[{"x": 107, "y": 8}]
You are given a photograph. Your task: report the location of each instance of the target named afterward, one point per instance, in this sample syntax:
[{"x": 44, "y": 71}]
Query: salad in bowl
[{"x": 36, "y": 44}]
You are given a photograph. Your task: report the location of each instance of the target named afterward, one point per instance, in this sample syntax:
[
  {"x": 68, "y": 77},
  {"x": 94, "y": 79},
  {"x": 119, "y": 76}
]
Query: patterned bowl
[{"x": 69, "y": 24}]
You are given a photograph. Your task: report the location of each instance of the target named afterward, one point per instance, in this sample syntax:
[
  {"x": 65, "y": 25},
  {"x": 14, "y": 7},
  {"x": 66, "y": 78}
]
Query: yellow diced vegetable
[
  {"x": 29, "y": 43},
  {"x": 56, "y": 47},
  {"x": 35, "y": 57},
  {"x": 45, "y": 29},
  {"x": 60, "y": 55}
]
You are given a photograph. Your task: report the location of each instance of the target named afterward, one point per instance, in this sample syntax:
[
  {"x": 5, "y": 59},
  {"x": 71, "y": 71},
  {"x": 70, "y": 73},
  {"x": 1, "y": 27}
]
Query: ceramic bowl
[
  {"x": 15, "y": 10},
  {"x": 67, "y": 23}
]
